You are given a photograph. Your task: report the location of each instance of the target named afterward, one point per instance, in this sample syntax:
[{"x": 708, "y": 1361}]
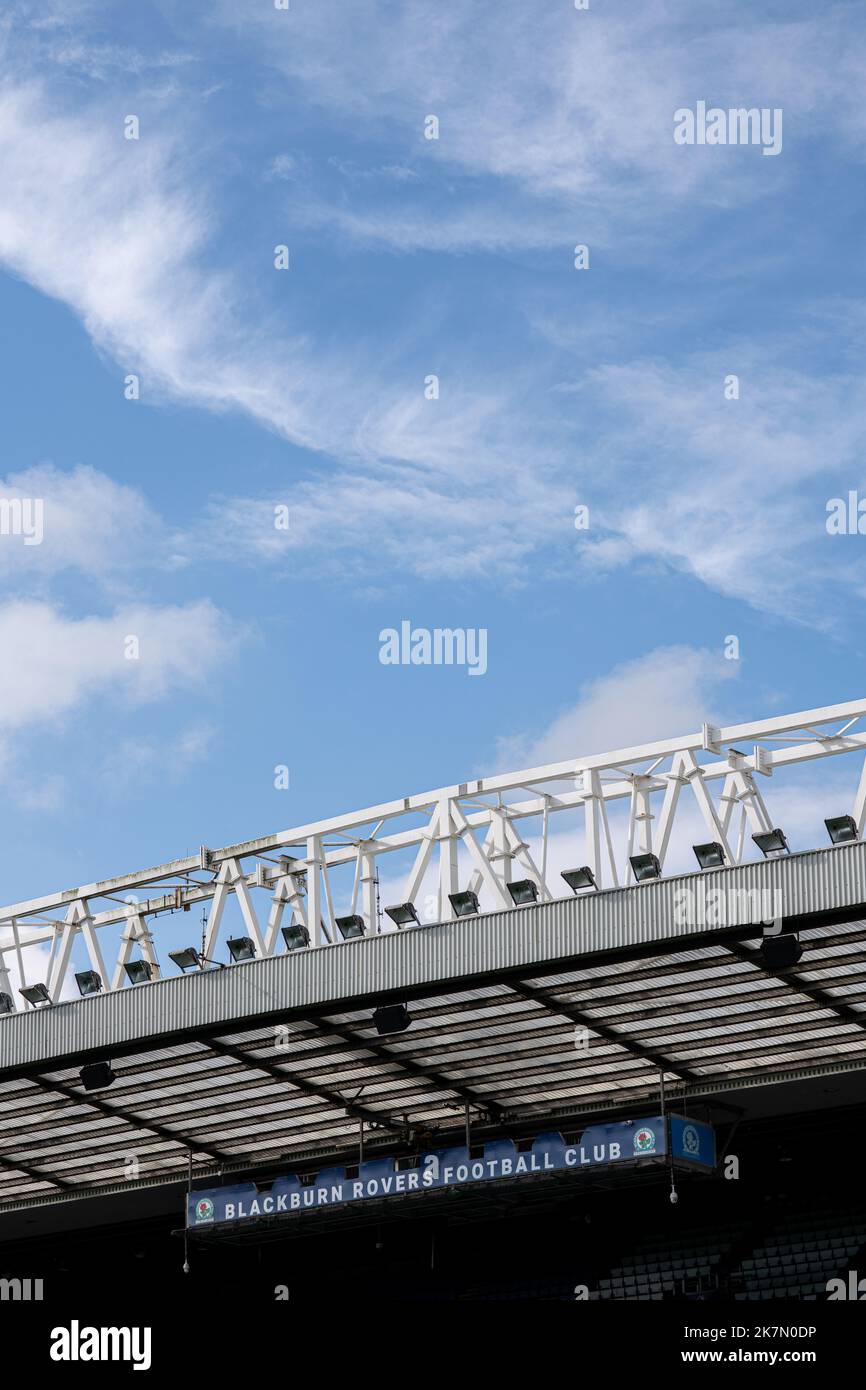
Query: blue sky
[{"x": 305, "y": 387}]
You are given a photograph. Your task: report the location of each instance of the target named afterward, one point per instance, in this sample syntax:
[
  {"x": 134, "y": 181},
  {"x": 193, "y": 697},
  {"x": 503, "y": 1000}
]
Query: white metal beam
[{"x": 650, "y": 775}]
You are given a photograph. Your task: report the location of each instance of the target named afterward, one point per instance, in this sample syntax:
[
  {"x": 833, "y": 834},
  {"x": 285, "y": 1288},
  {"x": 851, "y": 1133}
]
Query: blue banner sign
[
  {"x": 692, "y": 1142},
  {"x": 601, "y": 1145}
]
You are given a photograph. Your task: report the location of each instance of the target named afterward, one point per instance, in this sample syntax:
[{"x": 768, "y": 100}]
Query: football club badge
[
  {"x": 204, "y": 1210},
  {"x": 691, "y": 1141},
  {"x": 645, "y": 1140}
]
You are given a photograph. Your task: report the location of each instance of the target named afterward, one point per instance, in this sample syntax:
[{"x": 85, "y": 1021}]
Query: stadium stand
[
  {"x": 802, "y": 1255},
  {"x": 665, "y": 1267},
  {"x": 761, "y": 1237}
]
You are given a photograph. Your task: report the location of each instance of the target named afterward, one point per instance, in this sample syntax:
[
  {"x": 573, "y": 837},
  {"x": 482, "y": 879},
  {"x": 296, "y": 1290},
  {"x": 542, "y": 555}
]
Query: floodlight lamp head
[
  {"x": 89, "y": 982},
  {"x": 351, "y": 927},
  {"x": 645, "y": 866},
  {"x": 464, "y": 904},
  {"x": 187, "y": 958},
  {"x": 37, "y": 995},
  {"x": 771, "y": 842},
  {"x": 842, "y": 830},
  {"x": 139, "y": 972},
  {"x": 403, "y": 915},
  {"x": 241, "y": 948},
  {"x": 523, "y": 892},
  {"x": 579, "y": 879},
  {"x": 710, "y": 856},
  {"x": 296, "y": 936}
]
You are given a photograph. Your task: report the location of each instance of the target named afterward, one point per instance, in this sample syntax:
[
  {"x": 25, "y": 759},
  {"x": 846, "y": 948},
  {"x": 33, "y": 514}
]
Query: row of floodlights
[{"x": 841, "y": 829}]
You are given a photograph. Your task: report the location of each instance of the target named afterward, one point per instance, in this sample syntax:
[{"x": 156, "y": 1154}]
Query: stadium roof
[
  {"x": 480, "y": 834},
  {"x": 544, "y": 1015}
]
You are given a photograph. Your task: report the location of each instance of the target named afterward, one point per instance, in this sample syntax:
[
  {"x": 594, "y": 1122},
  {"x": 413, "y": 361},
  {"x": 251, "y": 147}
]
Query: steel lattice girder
[{"x": 294, "y": 866}]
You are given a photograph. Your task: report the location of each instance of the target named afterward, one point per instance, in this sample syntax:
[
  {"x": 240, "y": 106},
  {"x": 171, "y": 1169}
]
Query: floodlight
[
  {"x": 464, "y": 904},
  {"x": 351, "y": 927},
  {"x": 645, "y": 866},
  {"x": 579, "y": 878},
  {"x": 391, "y": 1018},
  {"x": 139, "y": 971},
  {"x": 711, "y": 856},
  {"x": 242, "y": 948},
  {"x": 781, "y": 952},
  {"x": 842, "y": 829},
  {"x": 403, "y": 915},
  {"x": 6, "y": 1005},
  {"x": 36, "y": 994},
  {"x": 296, "y": 936},
  {"x": 771, "y": 842},
  {"x": 522, "y": 892},
  {"x": 89, "y": 981},
  {"x": 186, "y": 959},
  {"x": 97, "y": 1075}
]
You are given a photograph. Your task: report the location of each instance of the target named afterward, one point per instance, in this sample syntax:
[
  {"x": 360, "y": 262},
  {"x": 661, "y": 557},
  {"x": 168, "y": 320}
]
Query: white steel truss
[{"x": 481, "y": 818}]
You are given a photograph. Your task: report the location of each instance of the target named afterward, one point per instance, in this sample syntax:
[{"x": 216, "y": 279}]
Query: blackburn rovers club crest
[
  {"x": 691, "y": 1140},
  {"x": 204, "y": 1210},
  {"x": 645, "y": 1140}
]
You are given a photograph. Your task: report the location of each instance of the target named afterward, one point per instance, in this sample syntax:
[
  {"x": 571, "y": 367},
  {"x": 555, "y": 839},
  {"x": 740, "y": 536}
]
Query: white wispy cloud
[
  {"x": 89, "y": 523},
  {"x": 121, "y": 232},
  {"x": 666, "y": 692},
  {"x": 118, "y": 229},
  {"x": 399, "y": 523},
  {"x": 140, "y": 760},
  {"x": 586, "y": 126},
  {"x": 732, "y": 491},
  {"x": 53, "y": 664}
]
